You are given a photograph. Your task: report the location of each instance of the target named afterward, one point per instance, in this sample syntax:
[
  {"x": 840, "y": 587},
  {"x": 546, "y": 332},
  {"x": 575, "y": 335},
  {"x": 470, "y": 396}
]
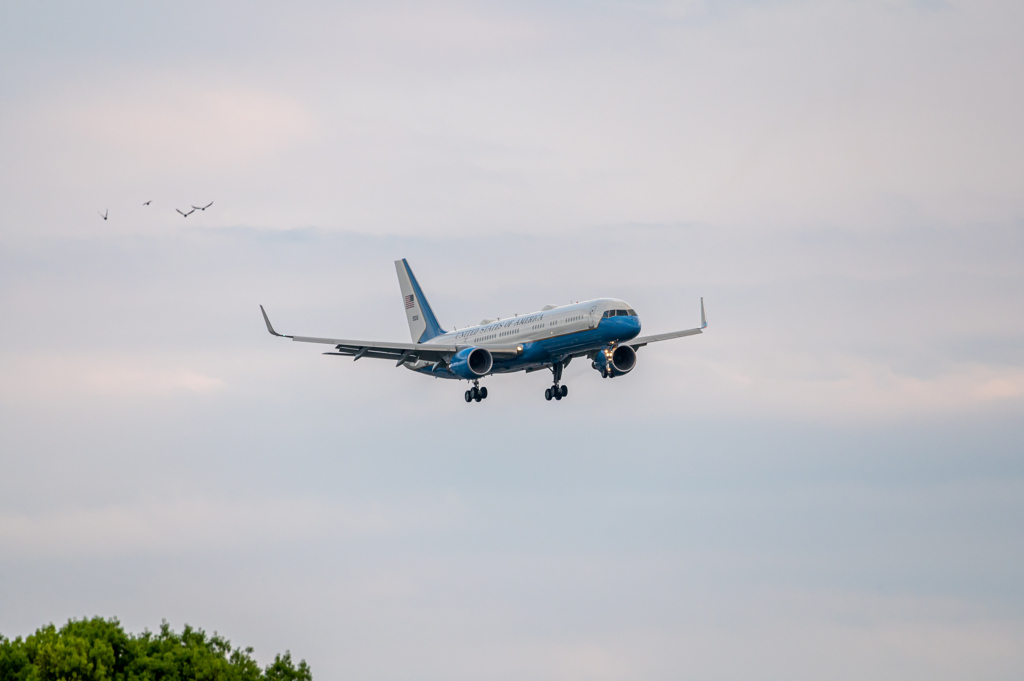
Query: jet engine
[
  {"x": 471, "y": 363},
  {"x": 615, "y": 361}
]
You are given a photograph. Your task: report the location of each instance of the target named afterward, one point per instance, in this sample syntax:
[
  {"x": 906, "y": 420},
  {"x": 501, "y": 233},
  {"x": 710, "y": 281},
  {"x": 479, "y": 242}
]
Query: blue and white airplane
[{"x": 605, "y": 330}]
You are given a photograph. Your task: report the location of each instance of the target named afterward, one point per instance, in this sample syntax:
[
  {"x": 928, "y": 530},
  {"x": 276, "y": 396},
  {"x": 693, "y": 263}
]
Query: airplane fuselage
[
  {"x": 553, "y": 334},
  {"x": 605, "y": 331}
]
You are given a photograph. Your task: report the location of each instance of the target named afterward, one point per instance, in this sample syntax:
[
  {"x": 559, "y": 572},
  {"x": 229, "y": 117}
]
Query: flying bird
[
  {"x": 148, "y": 202},
  {"x": 202, "y": 207},
  {"x": 104, "y": 213},
  {"x": 184, "y": 215}
]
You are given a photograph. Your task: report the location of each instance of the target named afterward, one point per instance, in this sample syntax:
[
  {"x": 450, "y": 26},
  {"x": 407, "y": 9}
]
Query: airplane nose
[{"x": 629, "y": 326}]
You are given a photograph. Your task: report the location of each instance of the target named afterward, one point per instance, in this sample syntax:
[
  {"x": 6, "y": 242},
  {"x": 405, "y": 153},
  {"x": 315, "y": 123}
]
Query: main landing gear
[
  {"x": 556, "y": 391},
  {"x": 476, "y": 392}
]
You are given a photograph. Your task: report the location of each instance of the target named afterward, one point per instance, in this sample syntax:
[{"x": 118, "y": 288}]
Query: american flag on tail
[{"x": 410, "y": 301}]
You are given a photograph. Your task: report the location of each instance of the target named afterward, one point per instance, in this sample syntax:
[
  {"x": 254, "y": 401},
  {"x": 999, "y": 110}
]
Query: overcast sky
[{"x": 828, "y": 484}]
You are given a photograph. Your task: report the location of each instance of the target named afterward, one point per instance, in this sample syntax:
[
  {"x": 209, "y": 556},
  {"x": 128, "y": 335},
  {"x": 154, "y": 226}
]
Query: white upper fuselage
[{"x": 535, "y": 326}]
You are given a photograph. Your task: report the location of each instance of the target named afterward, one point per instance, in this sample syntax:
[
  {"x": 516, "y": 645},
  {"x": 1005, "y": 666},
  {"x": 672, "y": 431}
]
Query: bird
[
  {"x": 104, "y": 213},
  {"x": 184, "y": 215},
  {"x": 148, "y": 202},
  {"x": 202, "y": 207}
]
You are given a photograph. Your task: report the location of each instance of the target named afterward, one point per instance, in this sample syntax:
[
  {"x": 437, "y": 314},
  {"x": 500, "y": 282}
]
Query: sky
[{"x": 828, "y": 483}]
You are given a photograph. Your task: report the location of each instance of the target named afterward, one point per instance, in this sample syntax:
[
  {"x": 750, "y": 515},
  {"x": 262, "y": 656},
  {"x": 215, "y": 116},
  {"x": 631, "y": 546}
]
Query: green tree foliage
[{"x": 100, "y": 650}]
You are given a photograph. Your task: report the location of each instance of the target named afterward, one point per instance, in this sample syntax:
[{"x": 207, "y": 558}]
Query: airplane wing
[
  {"x": 641, "y": 341},
  {"x": 401, "y": 352}
]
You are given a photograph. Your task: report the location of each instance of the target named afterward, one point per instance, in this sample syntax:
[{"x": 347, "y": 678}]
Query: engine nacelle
[
  {"x": 471, "y": 363},
  {"x": 615, "y": 361}
]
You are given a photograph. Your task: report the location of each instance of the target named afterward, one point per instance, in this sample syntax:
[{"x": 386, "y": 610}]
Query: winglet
[
  {"x": 270, "y": 327},
  {"x": 703, "y": 319}
]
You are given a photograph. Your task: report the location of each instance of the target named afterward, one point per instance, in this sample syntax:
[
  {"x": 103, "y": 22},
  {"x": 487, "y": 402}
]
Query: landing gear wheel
[
  {"x": 547, "y": 394},
  {"x": 469, "y": 395},
  {"x": 483, "y": 393},
  {"x": 558, "y": 393},
  {"x": 565, "y": 390}
]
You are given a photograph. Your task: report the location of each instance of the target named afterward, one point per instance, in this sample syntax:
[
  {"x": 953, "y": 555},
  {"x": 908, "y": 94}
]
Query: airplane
[{"x": 605, "y": 330}]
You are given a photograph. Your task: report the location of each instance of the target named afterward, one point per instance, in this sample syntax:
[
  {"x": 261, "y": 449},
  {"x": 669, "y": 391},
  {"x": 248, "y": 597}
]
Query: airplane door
[{"x": 593, "y": 317}]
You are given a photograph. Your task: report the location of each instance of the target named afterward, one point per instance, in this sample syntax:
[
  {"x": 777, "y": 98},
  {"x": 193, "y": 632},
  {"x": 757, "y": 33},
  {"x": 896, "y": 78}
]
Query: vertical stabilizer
[{"x": 422, "y": 323}]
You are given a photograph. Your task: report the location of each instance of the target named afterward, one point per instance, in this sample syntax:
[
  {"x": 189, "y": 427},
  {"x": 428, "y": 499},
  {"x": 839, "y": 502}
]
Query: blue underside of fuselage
[{"x": 541, "y": 353}]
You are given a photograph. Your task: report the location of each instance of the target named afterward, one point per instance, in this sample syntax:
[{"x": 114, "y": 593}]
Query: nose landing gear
[
  {"x": 476, "y": 392},
  {"x": 556, "y": 391}
]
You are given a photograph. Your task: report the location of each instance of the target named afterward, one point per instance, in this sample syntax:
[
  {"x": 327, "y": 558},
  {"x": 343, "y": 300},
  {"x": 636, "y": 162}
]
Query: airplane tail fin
[{"x": 422, "y": 323}]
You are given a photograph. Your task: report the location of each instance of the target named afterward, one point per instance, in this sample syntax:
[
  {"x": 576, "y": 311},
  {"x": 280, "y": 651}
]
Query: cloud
[
  {"x": 453, "y": 120},
  {"x": 830, "y": 388},
  {"x": 833, "y": 643},
  {"x": 839, "y": 180},
  {"x": 214, "y": 525},
  {"x": 77, "y": 376},
  {"x": 169, "y": 124},
  {"x": 156, "y": 136}
]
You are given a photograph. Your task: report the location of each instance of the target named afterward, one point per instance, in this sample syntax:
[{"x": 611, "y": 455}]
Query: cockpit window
[{"x": 619, "y": 313}]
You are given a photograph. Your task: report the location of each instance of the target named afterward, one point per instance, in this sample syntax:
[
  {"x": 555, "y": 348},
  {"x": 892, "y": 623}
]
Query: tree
[{"x": 100, "y": 650}]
